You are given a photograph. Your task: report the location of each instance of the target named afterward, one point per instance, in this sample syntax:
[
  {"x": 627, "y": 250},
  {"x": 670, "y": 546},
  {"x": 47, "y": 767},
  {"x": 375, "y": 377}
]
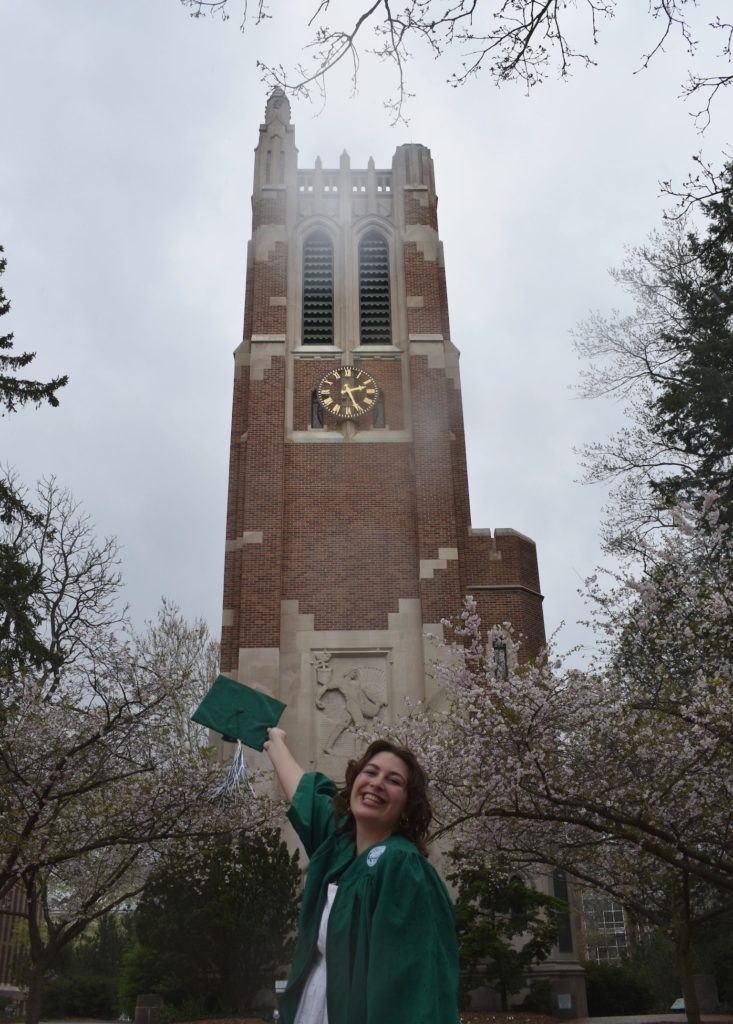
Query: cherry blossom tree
[
  {"x": 100, "y": 768},
  {"x": 620, "y": 774}
]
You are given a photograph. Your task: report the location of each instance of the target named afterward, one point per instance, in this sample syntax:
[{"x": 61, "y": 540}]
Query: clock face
[{"x": 347, "y": 392}]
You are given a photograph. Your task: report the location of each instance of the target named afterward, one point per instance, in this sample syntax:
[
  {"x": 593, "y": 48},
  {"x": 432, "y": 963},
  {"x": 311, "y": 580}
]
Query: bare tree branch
[{"x": 511, "y": 40}]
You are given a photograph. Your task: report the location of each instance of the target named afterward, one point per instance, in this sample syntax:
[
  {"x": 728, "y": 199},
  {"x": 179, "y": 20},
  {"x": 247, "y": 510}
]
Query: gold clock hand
[{"x": 350, "y": 391}]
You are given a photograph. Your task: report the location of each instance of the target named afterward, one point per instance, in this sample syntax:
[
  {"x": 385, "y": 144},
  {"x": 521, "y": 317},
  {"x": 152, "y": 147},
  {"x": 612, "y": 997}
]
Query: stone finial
[
  {"x": 370, "y": 165},
  {"x": 345, "y": 160},
  {"x": 278, "y": 107},
  {"x": 319, "y": 164}
]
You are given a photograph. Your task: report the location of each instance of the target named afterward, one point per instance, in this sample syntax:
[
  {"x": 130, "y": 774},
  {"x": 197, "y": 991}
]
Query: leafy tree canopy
[
  {"x": 20, "y": 644},
  {"x": 671, "y": 358},
  {"x": 214, "y": 926},
  {"x": 15, "y": 391},
  {"x": 504, "y": 926},
  {"x": 84, "y": 979}
]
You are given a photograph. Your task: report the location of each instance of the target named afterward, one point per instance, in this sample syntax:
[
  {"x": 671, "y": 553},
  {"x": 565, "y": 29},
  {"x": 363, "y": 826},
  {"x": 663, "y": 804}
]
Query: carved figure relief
[{"x": 360, "y": 691}]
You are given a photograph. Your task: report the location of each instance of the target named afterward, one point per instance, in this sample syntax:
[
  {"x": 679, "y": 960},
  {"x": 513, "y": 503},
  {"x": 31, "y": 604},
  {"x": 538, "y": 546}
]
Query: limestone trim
[
  {"x": 265, "y": 238},
  {"x": 259, "y": 667},
  {"x": 248, "y": 537},
  {"x": 499, "y": 531},
  {"x": 452, "y": 364},
  {"x": 317, "y": 351},
  {"x": 435, "y": 652},
  {"x": 259, "y": 359},
  {"x": 376, "y": 435},
  {"x": 278, "y": 300},
  {"x": 506, "y": 532},
  {"x": 372, "y": 669},
  {"x": 260, "y": 339},
  {"x": 376, "y": 352},
  {"x": 428, "y": 347},
  {"x": 425, "y": 240},
  {"x": 429, "y": 565},
  {"x": 409, "y": 616},
  {"x": 482, "y": 588},
  {"x": 415, "y": 301}
]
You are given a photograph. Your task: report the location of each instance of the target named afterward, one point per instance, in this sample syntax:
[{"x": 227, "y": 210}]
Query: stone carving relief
[{"x": 351, "y": 690}]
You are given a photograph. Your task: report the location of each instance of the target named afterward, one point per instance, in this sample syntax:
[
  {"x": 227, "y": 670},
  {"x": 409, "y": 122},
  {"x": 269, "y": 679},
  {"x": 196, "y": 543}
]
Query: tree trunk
[
  {"x": 504, "y": 996},
  {"x": 35, "y": 989},
  {"x": 684, "y": 959}
]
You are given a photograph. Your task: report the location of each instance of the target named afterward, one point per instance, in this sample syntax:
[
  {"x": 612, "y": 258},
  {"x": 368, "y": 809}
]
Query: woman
[{"x": 377, "y": 940}]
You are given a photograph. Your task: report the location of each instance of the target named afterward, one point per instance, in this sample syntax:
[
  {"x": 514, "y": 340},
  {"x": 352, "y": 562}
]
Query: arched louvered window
[
  {"x": 318, "y": 290},
  {"x": 375, "y": 324}
]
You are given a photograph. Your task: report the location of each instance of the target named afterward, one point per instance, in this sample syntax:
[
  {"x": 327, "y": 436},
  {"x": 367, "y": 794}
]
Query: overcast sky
[{"x": 126, "y": 147}]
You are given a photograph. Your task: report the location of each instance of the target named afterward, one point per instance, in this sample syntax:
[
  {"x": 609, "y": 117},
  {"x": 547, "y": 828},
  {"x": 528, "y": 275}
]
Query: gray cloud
[{"x": 125, "y": 179}]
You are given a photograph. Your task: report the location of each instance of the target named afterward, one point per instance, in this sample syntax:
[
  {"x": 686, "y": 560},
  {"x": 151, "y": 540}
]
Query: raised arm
[{"x": 288, "y": 771}]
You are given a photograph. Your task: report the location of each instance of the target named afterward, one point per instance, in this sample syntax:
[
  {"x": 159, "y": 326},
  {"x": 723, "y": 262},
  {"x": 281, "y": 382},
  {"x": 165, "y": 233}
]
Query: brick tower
[
  {"x": 348, "y": 529},
  {"x": 348, "y": 533}
]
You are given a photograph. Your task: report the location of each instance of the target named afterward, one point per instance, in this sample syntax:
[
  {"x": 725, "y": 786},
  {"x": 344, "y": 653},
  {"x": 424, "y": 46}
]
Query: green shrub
[
  {"x": 539, "y": 997},
  {"x": 617, "y": 990},
  {"x": 80, "y": 995}
]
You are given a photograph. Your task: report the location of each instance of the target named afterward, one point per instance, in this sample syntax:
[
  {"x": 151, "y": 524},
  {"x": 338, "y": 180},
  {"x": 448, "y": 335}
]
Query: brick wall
[
  {"x": 417, "y": 211},
  {"x": 422, "y": 278},
  {"x": 269, "y": 209},
  {"x": 270, "y": 281},
  {"x": 350, "y": 551},
  {"x": 346, "y": 526}
]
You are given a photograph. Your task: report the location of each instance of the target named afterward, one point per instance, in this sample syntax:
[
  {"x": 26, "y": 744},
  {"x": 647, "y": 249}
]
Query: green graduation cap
[{"x": 238, "y": 712}]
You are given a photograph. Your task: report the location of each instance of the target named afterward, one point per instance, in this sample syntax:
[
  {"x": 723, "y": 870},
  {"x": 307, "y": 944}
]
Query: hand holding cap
[{"x": 238, "y": 712}]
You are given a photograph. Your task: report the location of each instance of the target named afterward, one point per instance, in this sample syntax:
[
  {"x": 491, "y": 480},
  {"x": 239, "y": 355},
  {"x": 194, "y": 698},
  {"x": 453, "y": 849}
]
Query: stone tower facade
[
  {"x": 348, "y": 530},
  {"x": 349, "y": 538}
]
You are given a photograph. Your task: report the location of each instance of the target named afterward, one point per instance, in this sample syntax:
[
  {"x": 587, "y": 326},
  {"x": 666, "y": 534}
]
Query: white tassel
[{"x": 235, "y": 779}]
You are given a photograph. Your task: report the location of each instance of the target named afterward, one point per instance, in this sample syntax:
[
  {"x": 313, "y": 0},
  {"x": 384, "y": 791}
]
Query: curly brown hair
[{"x": 417, "y": 815}]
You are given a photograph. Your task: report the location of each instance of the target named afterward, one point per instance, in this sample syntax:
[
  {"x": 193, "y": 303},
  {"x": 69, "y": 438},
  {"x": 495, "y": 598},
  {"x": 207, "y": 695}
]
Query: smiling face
[{"x": 379, "y": 794}]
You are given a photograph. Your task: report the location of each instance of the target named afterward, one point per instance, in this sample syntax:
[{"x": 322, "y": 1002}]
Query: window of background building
[
  {"x": 565, "y": 934},
  {"x": 605, "y": 928}
]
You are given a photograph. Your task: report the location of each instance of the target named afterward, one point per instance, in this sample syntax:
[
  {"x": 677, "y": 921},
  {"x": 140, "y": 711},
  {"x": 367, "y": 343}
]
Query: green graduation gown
[{"x": 391, "y": 945}]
